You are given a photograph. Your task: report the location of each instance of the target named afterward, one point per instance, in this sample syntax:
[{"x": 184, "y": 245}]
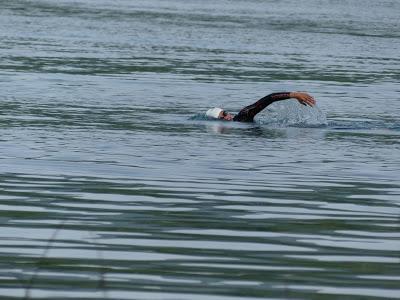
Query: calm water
[{"x": 112, "y": 186}]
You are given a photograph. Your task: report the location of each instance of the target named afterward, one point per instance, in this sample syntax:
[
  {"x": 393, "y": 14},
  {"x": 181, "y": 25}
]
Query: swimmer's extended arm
[
  {"x": 303, "y": 98},
  {"x": 248, "y": 113}
]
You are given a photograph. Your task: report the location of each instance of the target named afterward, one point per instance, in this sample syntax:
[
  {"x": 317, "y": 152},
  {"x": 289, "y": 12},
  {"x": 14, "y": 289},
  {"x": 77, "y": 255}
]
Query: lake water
[{"x": 113, "y": 186}]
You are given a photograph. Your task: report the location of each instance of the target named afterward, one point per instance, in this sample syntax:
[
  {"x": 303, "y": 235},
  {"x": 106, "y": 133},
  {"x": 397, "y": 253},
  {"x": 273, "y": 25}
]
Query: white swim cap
[{"x": 214, "y": 112}]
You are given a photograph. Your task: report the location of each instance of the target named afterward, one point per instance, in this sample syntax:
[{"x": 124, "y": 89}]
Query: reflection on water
[
  {"x": 187, "y": 234},
  {"x": 113, "y": 186}
]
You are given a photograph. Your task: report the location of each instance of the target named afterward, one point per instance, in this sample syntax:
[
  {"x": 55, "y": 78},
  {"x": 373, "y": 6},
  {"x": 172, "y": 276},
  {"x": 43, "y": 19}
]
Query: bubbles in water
[{"x": 292, "y": 114}]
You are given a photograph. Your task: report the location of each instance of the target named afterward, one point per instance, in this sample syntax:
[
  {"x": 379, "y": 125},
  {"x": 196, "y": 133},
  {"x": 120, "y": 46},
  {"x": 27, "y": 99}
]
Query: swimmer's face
[{"x": 223, "y": 115}]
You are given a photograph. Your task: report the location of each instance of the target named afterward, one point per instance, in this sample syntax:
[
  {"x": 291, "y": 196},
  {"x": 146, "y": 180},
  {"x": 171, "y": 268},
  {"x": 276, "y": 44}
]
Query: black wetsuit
[{"x": 248, "y": 113}]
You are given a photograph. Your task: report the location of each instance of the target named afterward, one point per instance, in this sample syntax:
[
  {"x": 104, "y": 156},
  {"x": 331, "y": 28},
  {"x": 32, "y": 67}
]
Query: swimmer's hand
[{"x": 303, "y": 98}]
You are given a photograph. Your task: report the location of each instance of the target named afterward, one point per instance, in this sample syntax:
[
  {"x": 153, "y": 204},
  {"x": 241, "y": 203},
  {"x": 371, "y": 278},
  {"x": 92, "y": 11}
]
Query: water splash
[
  {"x": 200, "y": 117},
  {"x": 290, "y": 114}
]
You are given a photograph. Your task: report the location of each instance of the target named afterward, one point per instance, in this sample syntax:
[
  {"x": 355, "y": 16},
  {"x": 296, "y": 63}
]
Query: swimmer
[{"x": 248, "y": 113}]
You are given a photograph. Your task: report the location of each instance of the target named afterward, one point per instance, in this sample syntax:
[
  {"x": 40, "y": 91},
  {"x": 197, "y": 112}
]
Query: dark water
[{"x": 113, "y": 187}]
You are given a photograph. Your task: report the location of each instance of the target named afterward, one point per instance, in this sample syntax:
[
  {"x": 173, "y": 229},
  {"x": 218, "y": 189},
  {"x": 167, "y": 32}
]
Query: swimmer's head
[
  {"x": 214, "y": 113},
  {"x": 219, "y": 114}
]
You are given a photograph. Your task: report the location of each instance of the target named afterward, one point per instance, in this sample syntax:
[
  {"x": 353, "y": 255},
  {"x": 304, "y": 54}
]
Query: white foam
[{"x": 291, "y": 114}]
